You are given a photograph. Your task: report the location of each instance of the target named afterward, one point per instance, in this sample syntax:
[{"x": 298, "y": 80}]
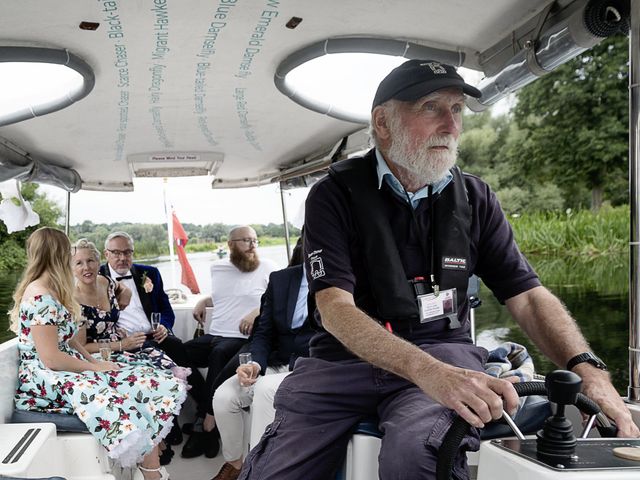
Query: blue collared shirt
[
  {"x": 300, "y": 313},
  {"x": 385, "y": 174}
]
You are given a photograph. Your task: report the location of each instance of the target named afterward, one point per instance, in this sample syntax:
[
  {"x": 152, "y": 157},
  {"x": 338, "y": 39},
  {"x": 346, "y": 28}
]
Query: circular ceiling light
[
  {"x": 339, "y": 76},
  {"x": 38, "y": 81}
]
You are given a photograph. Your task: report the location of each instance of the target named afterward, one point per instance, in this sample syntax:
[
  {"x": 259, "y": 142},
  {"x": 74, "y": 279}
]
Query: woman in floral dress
[
  {"x": 99, "y": 306},
  {"x": 128, "y": 409}
]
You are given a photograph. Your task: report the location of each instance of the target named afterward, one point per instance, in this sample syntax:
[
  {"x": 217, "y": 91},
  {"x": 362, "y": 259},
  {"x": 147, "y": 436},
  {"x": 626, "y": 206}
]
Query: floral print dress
[
  {"x": 101, "y": 324},
  {"x": 128, "y": 410}
]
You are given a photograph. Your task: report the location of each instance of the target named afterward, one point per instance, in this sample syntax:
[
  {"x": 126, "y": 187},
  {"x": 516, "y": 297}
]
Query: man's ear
[{"x": 379, "y": 123}]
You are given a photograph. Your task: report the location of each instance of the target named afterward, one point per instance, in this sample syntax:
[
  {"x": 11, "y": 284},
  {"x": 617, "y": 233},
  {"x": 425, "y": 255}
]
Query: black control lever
[
  {"x": 556, "y": 439},
  {"x": 606, "y": 428}
]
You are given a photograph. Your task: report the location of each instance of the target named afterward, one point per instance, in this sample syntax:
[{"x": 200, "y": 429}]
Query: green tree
[
  {"x": 216, "y": 232},
  {"x": 575, "y": 124},
  {"x": 489, "y": 148},
  {"x": 12, "y": 246}
]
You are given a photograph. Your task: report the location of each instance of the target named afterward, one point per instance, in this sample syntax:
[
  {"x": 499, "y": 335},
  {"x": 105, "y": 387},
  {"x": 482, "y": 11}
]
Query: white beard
[{"x": 425, "y": 166}]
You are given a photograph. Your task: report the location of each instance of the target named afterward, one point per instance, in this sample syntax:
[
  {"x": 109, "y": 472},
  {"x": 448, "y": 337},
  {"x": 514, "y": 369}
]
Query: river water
[{"x": 594, "y": 290}]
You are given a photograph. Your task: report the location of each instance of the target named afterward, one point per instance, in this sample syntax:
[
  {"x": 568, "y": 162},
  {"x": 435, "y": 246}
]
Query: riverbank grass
[{"x": 573, "y": 233}]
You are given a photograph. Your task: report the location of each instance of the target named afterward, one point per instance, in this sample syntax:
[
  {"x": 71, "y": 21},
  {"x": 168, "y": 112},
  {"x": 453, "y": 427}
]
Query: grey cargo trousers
[{"x": 320, "y": 403}]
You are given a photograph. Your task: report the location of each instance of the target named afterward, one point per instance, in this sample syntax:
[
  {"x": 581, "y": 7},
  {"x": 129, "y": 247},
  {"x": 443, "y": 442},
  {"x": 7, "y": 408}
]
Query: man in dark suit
[
  {"x": 281, "y": 334},
  {"x": 148, "y": 296}
]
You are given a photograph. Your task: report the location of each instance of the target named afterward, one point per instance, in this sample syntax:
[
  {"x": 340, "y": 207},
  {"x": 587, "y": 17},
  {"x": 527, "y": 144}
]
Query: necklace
[{"x": 92, "y": 301}]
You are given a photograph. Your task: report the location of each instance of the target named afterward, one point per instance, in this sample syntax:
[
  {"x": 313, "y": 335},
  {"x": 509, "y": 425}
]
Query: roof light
[
  {"x": 38, "y": 81},
  {"x": 339, "y": 76}
]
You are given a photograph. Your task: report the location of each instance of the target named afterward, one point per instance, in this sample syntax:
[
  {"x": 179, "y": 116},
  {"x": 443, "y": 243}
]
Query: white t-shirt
[{"x": 235, "y": 294}]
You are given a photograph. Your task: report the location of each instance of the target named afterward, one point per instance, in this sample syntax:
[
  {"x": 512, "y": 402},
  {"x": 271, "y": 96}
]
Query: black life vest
[{"x": 394, "y": 298}]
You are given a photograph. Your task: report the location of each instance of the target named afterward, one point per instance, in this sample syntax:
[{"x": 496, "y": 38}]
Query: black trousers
[
  {"x": 214, "y": 353},
  {"x": 230, "y": 368},
  {"x": 174, "y": 347}
]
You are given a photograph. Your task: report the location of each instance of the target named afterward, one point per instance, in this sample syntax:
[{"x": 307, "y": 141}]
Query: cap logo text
[{"x": 436, "y": 68}]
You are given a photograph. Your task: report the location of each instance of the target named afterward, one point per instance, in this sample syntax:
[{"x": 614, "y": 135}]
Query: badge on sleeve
[{"x": 316, "y": 266}]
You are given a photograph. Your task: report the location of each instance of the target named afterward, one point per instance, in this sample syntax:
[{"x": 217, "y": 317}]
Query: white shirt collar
[{"x": 115, "y": 274}]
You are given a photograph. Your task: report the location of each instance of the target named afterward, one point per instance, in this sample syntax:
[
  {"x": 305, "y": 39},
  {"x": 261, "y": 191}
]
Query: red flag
[{"x": 181, "y": 239}]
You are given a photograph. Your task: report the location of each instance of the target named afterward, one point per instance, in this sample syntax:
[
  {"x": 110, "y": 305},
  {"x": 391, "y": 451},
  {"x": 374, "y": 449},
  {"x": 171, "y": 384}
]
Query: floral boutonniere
[{"x": 146, "y": 283}]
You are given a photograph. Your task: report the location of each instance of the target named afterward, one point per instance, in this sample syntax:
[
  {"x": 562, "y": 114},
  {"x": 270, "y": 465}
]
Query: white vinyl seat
[{"x": 37, "y": 450}]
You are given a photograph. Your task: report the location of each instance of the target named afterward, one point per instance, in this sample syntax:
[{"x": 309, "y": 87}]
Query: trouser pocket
[{"x": 259, "y": 456}]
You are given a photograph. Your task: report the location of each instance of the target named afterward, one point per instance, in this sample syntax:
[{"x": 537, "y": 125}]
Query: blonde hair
[
  {"x": 48, "y": 253},
  {"x": 84, "y": 244}
]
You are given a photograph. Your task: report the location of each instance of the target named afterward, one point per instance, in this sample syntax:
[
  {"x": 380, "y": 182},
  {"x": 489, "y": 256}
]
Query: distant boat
[{"x": 221, "y": 252}]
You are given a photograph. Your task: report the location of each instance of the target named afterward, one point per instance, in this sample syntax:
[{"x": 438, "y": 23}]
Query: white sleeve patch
[{"x": 316, "y": 267}]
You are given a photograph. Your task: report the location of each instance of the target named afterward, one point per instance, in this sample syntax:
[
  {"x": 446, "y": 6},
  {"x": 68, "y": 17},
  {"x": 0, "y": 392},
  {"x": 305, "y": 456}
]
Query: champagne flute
[
  {"x": 105, "y": 349},
  {"x": 245, "y": 359},
  {"x": 155, "y": 322}
]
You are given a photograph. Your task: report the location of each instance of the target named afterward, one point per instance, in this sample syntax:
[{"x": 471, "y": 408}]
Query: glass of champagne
[
  {"x": 245, "y": 359},
  {"x": 155, "y": 322},
  {"x": 105, "y": 349}
]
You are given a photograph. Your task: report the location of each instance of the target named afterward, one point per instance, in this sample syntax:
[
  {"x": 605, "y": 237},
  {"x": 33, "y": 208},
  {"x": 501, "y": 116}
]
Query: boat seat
[
  {"x": 63, "y": 422},
  {"x": 8, "y": 413},
  {"x": 39, "y": 451}
]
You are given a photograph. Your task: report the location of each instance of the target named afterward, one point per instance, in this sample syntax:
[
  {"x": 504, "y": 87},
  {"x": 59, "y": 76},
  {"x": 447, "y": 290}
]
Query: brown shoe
[{"x": 227, "y": 472}]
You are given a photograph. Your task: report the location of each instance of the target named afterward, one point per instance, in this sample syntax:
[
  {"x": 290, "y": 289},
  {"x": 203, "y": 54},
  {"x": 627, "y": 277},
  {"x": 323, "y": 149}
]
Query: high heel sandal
[{"x": 164, "y": 475}]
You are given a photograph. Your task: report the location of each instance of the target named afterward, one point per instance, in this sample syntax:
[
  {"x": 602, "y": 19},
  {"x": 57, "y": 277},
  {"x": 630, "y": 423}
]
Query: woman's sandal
[{"x": 164, "y": 475}]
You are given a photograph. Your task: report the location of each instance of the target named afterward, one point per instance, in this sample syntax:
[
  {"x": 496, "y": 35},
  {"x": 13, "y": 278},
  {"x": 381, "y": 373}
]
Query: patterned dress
[
  {"x": 101, "y": 325},
  {"x": 128, "y": 411}
]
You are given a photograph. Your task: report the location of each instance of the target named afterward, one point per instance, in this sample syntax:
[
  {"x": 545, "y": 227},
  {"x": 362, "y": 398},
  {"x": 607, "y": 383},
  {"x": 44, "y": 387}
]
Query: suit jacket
[
  {"x": 273, "y": 341},
  {"x": 155, "y": 301}
]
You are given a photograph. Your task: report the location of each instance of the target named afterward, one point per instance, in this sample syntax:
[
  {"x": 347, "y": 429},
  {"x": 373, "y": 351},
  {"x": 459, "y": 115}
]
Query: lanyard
[{"x": 435, "y": 287}]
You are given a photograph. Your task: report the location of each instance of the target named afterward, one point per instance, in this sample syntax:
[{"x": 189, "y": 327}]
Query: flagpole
[
  {"x": 286, "y": 223},
  {"x": 167, "y": 212}
]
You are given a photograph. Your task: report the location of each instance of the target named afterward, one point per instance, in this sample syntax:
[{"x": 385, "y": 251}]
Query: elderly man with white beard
[
  {"x": 237, "y": 284},
  {"x": 391, "y": 240}
]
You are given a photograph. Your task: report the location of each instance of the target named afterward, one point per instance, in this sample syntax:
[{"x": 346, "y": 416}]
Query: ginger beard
[
  {"x": 245, "y": 261},
  {"x": 425, "y": 164}
]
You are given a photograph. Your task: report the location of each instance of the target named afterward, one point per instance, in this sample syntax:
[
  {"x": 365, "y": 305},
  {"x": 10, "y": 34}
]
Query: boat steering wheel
[{"x": 460, "y": 428}]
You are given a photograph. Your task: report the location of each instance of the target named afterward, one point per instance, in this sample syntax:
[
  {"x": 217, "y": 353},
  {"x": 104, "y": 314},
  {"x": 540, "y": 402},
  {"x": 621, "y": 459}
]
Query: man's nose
[{"x": 449, "y": 124}]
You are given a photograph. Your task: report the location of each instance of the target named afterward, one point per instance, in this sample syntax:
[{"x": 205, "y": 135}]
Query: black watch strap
[{"x": 586, "y": 357}]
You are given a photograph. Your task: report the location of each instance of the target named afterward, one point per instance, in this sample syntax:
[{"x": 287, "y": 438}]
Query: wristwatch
[{"x": 586, "y": 357}]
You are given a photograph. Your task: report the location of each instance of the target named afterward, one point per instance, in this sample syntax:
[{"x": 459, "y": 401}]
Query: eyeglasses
[
  {"x": 120, "y": 253},
  {"x": 247, "y": 241}
]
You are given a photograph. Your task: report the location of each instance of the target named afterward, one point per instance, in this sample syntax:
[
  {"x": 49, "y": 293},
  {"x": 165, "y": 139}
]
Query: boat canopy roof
[{"x": 197, "y": 87}]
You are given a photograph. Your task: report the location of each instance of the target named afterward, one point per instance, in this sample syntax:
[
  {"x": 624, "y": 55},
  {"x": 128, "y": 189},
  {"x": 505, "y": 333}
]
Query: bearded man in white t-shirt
[{"x": 237, "y": 284}]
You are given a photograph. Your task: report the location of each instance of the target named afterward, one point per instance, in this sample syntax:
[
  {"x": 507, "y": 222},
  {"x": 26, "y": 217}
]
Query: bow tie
[{"x": 125, "y": 277}]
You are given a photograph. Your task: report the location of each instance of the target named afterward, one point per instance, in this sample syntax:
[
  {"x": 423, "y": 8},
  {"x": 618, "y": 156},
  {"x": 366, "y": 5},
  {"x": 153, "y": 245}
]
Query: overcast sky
[{"x": 193, "y": 199}]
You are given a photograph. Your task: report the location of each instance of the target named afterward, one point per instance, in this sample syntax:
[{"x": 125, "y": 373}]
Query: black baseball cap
[{"x": 416, "y": 78}]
